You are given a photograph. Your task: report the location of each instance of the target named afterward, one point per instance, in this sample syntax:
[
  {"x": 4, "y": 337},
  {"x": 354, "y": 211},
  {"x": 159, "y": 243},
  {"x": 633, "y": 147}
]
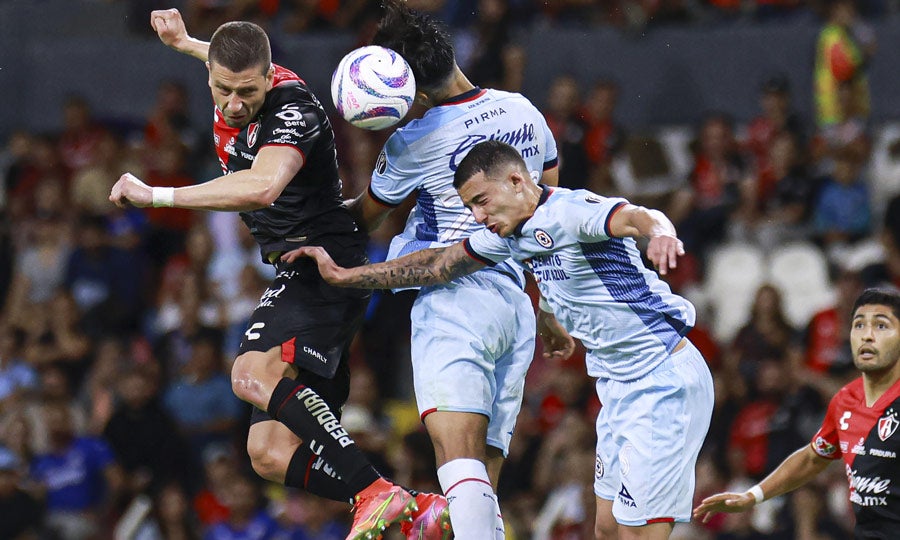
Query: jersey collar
[
  {"x": 545, "y": 194},
  {"x": 468, "y": 95}
]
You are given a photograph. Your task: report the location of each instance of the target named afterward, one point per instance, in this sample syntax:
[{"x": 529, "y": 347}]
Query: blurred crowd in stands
[{"x": 117, "y": 327}]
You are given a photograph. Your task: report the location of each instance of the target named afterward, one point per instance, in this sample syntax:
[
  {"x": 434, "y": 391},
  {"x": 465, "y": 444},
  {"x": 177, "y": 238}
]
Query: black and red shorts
[{"x": 314, "y": 323}]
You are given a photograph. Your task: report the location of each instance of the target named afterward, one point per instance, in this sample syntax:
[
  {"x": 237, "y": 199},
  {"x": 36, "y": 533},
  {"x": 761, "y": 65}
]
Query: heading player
[
  {"x": 468, "y": 372},
  {"x": 860, "y": 427},
  {"x": 655, "y": 387},
  {"x": 277, "y": 152}
]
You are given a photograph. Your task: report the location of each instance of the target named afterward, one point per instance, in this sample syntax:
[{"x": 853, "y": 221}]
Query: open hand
[
  {"x": 723, "y": 502},
  {"x": 557, "y": 343},
  {"x": 130, "y": 190},
  {"x": 330, "y": 271},
  {"x": 663, "y": 251}
]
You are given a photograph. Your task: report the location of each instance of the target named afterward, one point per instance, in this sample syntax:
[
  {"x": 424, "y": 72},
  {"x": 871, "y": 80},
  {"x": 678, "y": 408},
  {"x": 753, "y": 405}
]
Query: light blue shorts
[
  {"x": 649, "y": 433},
  {"x": 472, "y": 342}
]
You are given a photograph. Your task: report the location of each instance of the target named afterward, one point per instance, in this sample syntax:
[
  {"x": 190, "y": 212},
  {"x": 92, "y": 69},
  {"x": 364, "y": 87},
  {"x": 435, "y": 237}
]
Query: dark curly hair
[{"x": 421, "y": 41}]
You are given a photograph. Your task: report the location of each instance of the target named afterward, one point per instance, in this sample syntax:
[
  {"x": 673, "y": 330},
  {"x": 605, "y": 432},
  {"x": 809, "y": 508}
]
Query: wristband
[
  {"x": 543, "y": 305},
  {"x": 757, "y": 493},
  {"x": 163, "y": 197}
]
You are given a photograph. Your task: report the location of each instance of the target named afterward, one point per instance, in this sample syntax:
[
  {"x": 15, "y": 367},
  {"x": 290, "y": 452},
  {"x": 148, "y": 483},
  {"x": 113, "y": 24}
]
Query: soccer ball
[{"x": 373, "y": 87}]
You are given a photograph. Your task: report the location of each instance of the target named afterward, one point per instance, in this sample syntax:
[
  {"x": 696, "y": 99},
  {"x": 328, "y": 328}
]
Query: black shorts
[{"x": 313, "y": 323}]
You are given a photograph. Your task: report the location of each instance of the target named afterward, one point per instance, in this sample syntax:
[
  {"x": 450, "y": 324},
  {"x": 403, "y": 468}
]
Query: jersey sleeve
[
  {"x": 551, "y": 157},
  {"x": 591, "y": 214},
  {"x": 396, "y": 174},
  {"x": 486, "y": 247},
  {"x": 825, "y": 442},
  {"x": 294, "y": 124}
]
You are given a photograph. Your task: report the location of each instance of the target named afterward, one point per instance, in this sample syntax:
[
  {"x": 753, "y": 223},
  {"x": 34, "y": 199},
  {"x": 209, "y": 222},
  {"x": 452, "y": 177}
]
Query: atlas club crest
[
  {"x": 252, "y": 132},
  {"x": 887, "y": 425}
]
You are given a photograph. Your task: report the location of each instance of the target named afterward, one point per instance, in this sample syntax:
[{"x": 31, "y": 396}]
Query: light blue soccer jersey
[
  {"x": 424, "y": 154},
  {"x": 598, "y": 287}
]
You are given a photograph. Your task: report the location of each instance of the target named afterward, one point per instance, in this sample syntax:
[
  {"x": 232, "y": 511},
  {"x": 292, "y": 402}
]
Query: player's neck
[
  {"x": 456, "y": 85},
  {"x": 875, "y": 384}
]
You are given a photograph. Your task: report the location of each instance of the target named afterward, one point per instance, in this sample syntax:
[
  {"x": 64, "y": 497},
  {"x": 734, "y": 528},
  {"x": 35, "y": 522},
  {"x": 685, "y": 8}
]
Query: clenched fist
[{"x": 130, "y": 190}]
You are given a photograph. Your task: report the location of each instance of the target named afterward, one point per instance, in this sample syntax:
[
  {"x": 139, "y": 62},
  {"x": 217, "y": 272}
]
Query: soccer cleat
[
  {"x": 431, "y": 521},
  {"x": 379, "y": 506}
]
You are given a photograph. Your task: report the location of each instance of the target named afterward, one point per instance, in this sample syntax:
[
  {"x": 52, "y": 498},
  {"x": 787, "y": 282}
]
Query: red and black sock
[{"x": 304, "y": 412}]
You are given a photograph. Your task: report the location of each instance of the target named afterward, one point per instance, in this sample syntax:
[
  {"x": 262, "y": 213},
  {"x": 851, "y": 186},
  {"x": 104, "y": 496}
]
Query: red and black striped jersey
[
  {"x": 311, "y": 205},
  {"x": 868, "y": 440}
]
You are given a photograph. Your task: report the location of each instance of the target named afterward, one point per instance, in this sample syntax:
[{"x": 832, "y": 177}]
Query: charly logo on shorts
[
  {"x": 252, "y": 132},
  {"x": 543, "y": 238},
  {"x": 381, "y": 163},
  {"x": 598, "y": 468}
]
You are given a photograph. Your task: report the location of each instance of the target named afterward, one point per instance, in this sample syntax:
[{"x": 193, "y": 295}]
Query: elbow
[{"x": 265, "y": 195}]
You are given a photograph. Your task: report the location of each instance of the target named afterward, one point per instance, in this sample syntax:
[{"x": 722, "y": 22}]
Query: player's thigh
[{"x": 461, "y": 342}]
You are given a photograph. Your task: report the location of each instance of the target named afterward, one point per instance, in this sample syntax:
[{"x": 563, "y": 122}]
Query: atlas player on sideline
[
  {"x": 276, "y": 148},
  {"x": 468, "y": 379},
  {"x": 860, "y": 427}
]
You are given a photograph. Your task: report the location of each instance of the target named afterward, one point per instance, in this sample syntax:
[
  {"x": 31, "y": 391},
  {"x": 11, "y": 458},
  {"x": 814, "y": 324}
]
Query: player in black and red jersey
[
  {"x": 860, "y": 427},
  {"x": 277, "y": 152}
]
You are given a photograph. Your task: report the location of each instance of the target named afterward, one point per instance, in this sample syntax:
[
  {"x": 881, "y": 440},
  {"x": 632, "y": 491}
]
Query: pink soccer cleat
[
  {"x": 431, "y": 521},
  {"x": 379, "y": 506}
]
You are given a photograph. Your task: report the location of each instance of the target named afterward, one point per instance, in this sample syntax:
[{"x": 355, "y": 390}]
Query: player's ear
[
  {"x": 270, "y": 77},
  {"x": 423, "y": 99},
  {"x": 209, "y": 79}
]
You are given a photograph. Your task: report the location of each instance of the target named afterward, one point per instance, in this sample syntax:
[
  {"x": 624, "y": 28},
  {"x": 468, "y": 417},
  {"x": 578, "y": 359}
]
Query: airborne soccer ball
[{"x": 373, "y": 87}]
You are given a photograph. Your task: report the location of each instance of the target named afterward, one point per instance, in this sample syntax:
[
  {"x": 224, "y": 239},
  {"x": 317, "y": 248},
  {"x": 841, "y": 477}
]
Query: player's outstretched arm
[
  {"x": 636, "y": 221},
  {"x": 425, "y": 267},
  {"x": 795, "y": 471},
  {"x": 170, "y": 27},
  {"x": 368, "y": 213}
]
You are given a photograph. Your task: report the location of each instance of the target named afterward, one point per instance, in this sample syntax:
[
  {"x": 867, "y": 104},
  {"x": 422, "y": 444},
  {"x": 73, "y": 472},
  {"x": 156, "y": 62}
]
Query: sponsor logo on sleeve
[
  {"x": 598, "y": 468},
  {"x": 381, "y": 163},
  {"x": 824, "y": 448}
]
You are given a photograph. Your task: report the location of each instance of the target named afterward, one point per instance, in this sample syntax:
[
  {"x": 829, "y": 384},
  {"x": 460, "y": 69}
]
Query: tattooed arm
[{"x": 425, "y": 267}]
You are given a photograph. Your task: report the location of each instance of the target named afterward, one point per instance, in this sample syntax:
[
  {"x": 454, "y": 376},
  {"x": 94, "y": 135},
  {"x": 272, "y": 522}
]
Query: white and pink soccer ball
[{"x": 373, "y": 87}]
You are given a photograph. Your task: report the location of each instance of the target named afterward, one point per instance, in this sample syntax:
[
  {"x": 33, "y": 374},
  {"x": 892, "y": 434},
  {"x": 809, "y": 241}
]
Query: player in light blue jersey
[
  {"x": 655, "y": 387},
  {"x": 468, "y": 383}
]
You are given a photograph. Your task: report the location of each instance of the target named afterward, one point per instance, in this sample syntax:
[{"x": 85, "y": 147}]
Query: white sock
[{"x": 474, "y": 512}]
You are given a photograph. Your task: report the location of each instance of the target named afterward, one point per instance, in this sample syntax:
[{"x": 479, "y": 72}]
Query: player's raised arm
[
  {"x": 425, "y": 267},
  {"x": 245, "y": 190},
  {"x": 637, "y": 221},
  {"x": 170, "y": 27},
  {"x": 795, "y": 471}
]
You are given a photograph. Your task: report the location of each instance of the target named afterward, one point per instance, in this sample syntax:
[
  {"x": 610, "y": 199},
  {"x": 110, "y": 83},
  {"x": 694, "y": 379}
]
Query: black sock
[
  {"x": 304, "y": 412},
  {"x": 310, "y": 472}
]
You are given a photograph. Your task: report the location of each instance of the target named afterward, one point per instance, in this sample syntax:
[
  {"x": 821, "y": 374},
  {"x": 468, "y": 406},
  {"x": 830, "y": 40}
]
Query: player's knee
[
  {"x": 269, "y": 462},
  {"x": 250, "y": 378},
  {"x": 606, "y": 529},
  {"x": 457, "y": 435}
]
